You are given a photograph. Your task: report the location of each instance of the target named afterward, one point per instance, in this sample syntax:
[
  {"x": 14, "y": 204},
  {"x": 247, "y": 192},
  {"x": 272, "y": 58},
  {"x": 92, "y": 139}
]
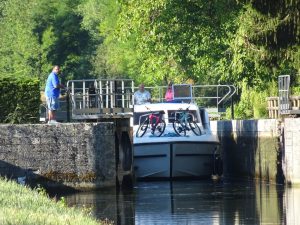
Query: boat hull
[{"x": 174, "y": 159}]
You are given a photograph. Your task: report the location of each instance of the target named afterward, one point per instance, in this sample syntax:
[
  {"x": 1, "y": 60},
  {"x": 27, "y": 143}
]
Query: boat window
[
  {"x": 141, "y": 116},
  {"x": 176, "y": 113},
  {"x": 137, "y": 116}
]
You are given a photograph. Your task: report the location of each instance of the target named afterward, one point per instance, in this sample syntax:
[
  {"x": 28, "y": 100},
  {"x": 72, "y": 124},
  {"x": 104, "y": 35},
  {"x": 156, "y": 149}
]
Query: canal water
[{"x": 194, "y": 202}]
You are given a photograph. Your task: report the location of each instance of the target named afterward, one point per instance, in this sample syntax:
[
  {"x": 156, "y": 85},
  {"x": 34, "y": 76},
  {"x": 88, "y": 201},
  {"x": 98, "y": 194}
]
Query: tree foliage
[
  {"x": 19, "y": 49},
  {"x": 266, "y": 43},
  {"x": 112, "y": 58},
  {"x": 154, "y": 41},
  {"x": 179, "y": 40},
  {"x": 45, "y": 33}
]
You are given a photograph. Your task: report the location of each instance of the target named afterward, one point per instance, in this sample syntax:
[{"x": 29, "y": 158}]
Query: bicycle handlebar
[
  {"x": 157, "y": 112},
  {"x": 184, "y": 109}
]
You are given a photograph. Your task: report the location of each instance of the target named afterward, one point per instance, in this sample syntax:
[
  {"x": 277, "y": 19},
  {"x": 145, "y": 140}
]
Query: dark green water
[{"x": 194, "y": 202}]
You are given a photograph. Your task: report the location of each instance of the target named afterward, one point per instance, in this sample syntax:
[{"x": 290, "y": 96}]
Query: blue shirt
[{"x": 52, "y": 82}]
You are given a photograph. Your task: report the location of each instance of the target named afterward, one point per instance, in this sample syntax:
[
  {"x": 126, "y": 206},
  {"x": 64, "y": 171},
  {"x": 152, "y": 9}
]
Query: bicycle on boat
[
  {"x": 184, "y": 122},
  {"x": 154, "y": 121}
]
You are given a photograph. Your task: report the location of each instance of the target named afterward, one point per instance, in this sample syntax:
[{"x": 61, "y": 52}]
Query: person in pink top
[{"x": 169, "y": 94}]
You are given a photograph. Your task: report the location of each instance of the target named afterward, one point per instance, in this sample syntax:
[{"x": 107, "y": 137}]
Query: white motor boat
[{"x": 172, "y": 154}]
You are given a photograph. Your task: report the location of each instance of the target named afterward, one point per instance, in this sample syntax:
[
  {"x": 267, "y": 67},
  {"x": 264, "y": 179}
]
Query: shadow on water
[{"x": 193, "y": 202}]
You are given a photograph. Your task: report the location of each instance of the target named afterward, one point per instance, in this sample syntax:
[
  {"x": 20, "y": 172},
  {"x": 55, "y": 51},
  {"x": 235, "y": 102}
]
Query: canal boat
[{"x": 169, "y": 154}]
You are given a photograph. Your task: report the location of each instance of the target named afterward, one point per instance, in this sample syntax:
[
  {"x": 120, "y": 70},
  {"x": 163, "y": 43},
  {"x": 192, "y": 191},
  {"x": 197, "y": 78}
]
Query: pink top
[{"x": 169, "y": 95}]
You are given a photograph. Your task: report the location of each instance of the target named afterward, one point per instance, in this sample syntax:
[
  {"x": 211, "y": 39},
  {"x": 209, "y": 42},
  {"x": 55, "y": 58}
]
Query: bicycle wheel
[
  {"x": 159, "y": 129},
  {"x": 142, "y": 128},
  {"x": 178, "y": 128},
  {"x": 195, "y": 128}
]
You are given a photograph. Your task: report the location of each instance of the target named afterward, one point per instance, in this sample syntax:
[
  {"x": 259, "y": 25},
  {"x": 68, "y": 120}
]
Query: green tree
[
  {"x": 112, "y": 57},
  {"x": 266, "y": 43},
  {"x": 179, "y": 40},
  {"x": 62, "y": 38},
  {"x": 19, "y": 48},
  {"x": 43, "y": 34}
]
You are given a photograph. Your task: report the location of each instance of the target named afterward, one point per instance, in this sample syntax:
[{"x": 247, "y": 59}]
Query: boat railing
[{"x": 213, "y": 97}]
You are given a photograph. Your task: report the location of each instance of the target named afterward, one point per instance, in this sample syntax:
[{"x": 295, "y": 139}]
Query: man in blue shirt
[{"x": 52, "y": 92}]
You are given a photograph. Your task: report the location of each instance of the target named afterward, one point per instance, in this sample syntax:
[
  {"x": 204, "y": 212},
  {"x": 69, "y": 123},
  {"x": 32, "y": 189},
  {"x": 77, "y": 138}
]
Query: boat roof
[{"x": 164, "y": 106}]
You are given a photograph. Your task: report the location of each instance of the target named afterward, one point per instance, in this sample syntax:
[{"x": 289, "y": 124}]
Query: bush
[
  {"x": 295, "y": 86},
  {"x": 19, "y": 99},
  {"x": 295, "y": 91}
]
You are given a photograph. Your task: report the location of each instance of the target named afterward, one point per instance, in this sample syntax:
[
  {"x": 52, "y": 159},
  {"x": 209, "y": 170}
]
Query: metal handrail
[
  {"x": 119, "y": 93},
  {"x": 113, "y": 96},
  {"x": 231, "y": 91},
  {"x": 228, "y": 95}
]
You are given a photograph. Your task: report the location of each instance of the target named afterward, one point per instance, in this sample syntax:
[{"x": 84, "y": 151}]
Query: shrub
[
  {"x": 295, "y": 86},
  {"x": 19, "y": 99}
]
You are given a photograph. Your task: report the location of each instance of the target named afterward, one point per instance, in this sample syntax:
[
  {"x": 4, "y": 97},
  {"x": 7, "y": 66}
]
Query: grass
[{"x": 22, "y": 205}]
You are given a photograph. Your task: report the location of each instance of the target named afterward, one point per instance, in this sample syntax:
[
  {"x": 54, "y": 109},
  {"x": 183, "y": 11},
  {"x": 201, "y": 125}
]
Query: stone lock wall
[
  {"x": 267, "y": 149},
  {"x": 291, "y": 150},
  {"x": 250, "y": 148},
  {"x": 76, "y": 155}
]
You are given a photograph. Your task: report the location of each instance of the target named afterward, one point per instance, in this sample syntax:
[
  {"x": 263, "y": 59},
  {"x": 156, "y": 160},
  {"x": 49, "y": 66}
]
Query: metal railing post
[
  {"x": 111, "y": 95},
  {"x": 100, "y": 93},
  {"x": 83, "y": 95},
  {"x": 123, "y": 92},
  {"x": 218, "y": 98},
  {"x": 232, "y": 108},
  {"x": 68, "y": 105},
  {"x": 107, "y": 91},
  {"x": 132, "y": 93}
]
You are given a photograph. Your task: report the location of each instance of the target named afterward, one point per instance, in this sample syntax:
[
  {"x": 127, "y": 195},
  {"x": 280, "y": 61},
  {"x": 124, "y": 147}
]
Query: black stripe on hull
[{"x": 178, "y": 142}]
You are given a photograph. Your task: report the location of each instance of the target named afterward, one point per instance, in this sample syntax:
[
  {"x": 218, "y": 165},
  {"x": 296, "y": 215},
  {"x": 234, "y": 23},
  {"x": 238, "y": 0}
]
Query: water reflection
[
  {"x": 194, "y": 202},
  {"x": 107, "y": 204}
]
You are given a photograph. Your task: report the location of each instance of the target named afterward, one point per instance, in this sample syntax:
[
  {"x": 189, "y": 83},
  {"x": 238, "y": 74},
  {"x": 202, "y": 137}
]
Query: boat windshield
[
  {"x": 172, "y": 114},
  {"x": 140, "y": 117}
]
